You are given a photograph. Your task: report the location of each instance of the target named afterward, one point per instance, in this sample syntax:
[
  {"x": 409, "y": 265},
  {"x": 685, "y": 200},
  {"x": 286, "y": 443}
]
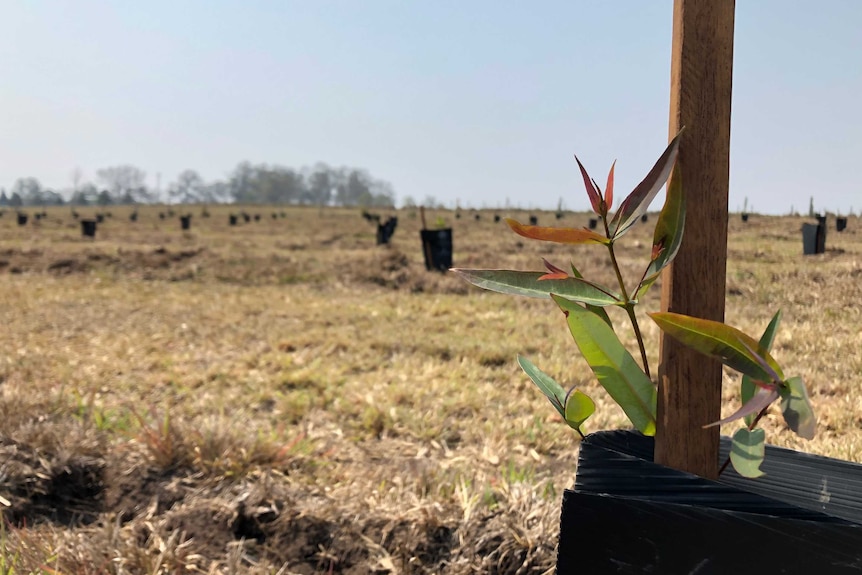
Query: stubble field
[{"x": 284, "y": 396}]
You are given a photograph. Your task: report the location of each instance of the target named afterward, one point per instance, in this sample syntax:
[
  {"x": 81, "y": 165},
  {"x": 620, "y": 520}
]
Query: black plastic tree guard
[
  {"x": 437, "y": 248},
  {"x": 628, "y": 514}
]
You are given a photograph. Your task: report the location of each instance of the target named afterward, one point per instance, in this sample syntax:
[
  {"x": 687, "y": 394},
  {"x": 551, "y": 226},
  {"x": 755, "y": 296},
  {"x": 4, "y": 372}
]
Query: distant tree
[
  {"x": 188, "y": 189},
  {"x": 119, "y": 180},
  {"x": 87, "y": 195},
  {"x": 29, "y": 190},
  {"x": 321, "y": 182},
  {"x": 16, "y": 201},
  {"x": 216, "y": 192},
  {"x": 52, "y": 198},
  {"x": 104, "y": 198},
  {"x": 811, "y": 208},
  {"x": 408, "y": 202},
  {"x": 4, "y": 199}
]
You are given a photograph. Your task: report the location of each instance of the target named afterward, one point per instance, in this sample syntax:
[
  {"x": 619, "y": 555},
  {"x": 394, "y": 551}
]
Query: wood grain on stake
[{"x": 689, "y": 383}]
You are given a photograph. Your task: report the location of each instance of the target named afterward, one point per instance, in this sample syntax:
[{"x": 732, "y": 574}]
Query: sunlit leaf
[
  {"x": 547, "y": 384},
  {"x": 747, "y": 451},
  {"x": 592, "y": 191},
  {"x": 720, "y": 341},
  {"x": 557, "y": 235},
  {"x": 748, "y": 386},
  {"x": 637, "y": 203},
  {"x": 528, "y": 284},
  {"x": 579, "y": 407},
  {"x": 763, "y": 398},
  {"x": 668, "y": 233},
  {"x": 609, "y": 188},
  {"x": 615, "y": 368},
  {"x": 797, "y": 410}
]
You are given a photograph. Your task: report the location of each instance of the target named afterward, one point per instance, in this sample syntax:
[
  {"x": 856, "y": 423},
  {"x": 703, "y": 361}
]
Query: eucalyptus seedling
[{"x": 584, "y": 302}]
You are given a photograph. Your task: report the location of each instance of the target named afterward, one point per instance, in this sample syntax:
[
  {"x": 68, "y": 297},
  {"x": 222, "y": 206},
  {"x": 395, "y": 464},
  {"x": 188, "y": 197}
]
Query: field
[{"x": 284, "y": 396}]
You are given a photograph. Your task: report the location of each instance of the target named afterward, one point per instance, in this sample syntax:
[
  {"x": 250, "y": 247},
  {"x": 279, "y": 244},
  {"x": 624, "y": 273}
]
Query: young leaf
[
  {"x": 592, "y": 192},
  {"x": 579, "y": 407},
  {"x": 552, "y": 390},
  {"x": 761, "y": 399},
  {"x": 748, "y": 386},
  {"x": 720, "y": 341},
  {"x": 797, "y": 410},
  {"x": 615, "y": 368},
  {"x": 634, "y": 206},
  {"x": 668, "y": 233},
  {"x": 609, "y": 188},
  {"x": 528, "y": 284},
  {"x": 557, "y": 235},
  {"x": 747, "y": 451}
]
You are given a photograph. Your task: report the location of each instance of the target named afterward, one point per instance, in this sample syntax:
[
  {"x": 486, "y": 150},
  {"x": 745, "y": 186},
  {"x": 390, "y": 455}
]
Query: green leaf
[
  {"x": 557, "y": 235},
  {"x": 747, "y": 451},
  {"x": 720, "y": 341},
  {"x": 579, "y": 407},
  {"x": 599, "y": 311},
  {"x": 528, "y": 284},
  {"x": 748, "y": 387},
  {"x": 668, "y": 233},
  {"x": 552, "y": 390},
  {"x": 615, "y": 368},
  {"x": 797, "y": 410},
  {"x": 637, "y": 203}
]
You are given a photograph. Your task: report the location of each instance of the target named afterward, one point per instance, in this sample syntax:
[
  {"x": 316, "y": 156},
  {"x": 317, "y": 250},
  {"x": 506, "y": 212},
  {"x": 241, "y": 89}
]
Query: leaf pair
[
  {"x": 632, "y": 208},
  {"x": 574, "y": 407},
  {"x": 762, "y": 384}
]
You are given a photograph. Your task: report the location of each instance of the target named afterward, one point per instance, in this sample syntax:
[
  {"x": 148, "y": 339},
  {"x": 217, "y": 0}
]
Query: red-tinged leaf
[
  {"x": 725, "y": 343},
  {"x": 667, "y": 237},
  {"x": 554, "y": 269},
  {"x": 592, "y": 192},
  {"x": 774, "y": 377},
  {"x": 762, "y": 399},
  {"x": 556, "y": 235},
  {"x": 609, "y": 189},
  {"x": 553, "y": 276},
  {"x": 637, "y": 202},
  {"x": 748, "y": 386}
]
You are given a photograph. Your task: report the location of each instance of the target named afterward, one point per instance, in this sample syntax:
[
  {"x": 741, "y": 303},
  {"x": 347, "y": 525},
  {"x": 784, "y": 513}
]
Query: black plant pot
[
  {"x": 534, "y": 220},
  {"x": 593, "y": 223},
  {"x": 840, "y": 224},
  {"x": 628, "y": 514},
  {"x": 437, "y": 248},
  {"x": 22, "y": 219},
  {"x": 814, "y": 237},
  {"x": 186, "y": 222},
  {"x": 744, "y": 217},
  {"x": 88, "y": 228}
]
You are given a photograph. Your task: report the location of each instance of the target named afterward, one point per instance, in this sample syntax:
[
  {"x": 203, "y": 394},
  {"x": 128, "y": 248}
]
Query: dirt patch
[{"x": 39, "y": 488}]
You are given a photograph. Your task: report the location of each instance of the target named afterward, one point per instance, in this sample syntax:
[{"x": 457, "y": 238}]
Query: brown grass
[{"x": 286, "y": 397}]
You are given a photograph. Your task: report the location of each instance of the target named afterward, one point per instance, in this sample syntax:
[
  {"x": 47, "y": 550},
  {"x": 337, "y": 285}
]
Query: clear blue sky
[{"x": 479, "y": 100}]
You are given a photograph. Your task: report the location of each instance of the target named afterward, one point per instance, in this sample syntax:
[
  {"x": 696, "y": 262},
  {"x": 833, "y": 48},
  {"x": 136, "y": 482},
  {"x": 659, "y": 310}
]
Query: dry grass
[{"x": 286, "y": 397}]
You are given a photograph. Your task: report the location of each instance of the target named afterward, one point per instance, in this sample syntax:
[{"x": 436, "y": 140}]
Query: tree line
[{"x": 249, "y": 183}]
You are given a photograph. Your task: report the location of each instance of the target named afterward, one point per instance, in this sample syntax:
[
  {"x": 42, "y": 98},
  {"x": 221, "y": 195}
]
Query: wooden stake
[{"x": 689, "y": 384}]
